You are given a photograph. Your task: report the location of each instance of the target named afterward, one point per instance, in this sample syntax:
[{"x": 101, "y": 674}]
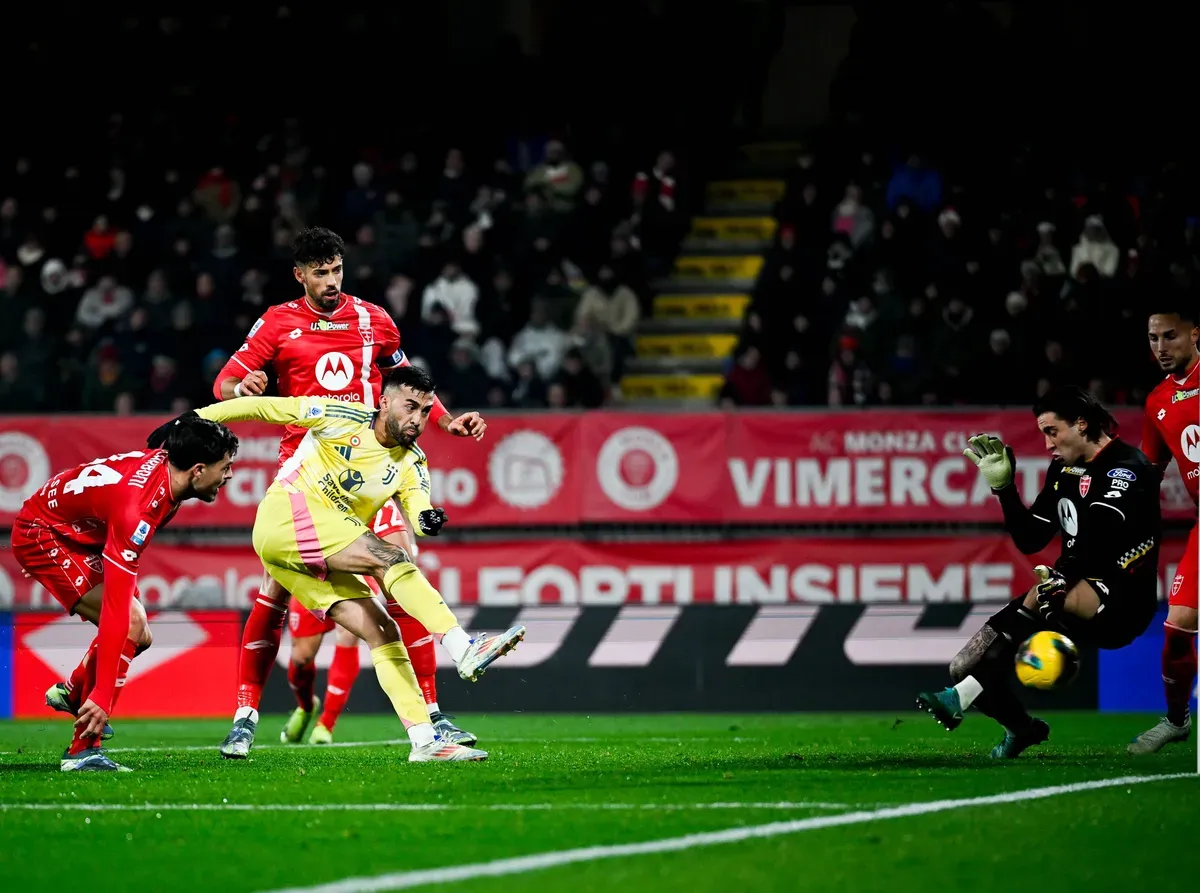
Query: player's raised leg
[
  {"x": 1178, "y": 656},
  {"x": 260, "y": 647},
  {"x": 982, "y": 673},
  {"x": 343, "y": 670},
  {"x": 307, "y": 632},
  {"x": 391, "y": 566}
]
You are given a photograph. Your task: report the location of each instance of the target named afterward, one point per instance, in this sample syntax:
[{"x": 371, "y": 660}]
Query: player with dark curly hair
[
  {"x": 333, "y": 345},
  {"x": 81, "y": 536}
]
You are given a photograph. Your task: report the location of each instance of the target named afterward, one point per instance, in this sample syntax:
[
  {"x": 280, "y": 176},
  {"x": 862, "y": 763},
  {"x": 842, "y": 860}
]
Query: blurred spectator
[
  {"x": 556, "y": 180},
  {"x": 540, "y": 343},
  {"x": 852, "y": 218},
  {"x": 915, "y": 182},
  {"x": 1095, "y": 248},
  {"x": 104, "y": 303},
  {"x": 747, "y": 383},
  {"x": 457, "y": 295},
  {"x": 465, "y": 384},
  {"x": 581, "y": 386},
  {"x": 614, "y": 309}
]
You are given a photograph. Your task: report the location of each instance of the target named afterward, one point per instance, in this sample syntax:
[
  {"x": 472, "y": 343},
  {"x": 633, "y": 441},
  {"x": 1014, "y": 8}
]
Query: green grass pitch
[{"x": 188, "y": 820}]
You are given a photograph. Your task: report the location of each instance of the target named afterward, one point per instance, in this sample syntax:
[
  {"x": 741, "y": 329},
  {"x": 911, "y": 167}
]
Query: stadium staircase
[{"x": 684, "y": 348}]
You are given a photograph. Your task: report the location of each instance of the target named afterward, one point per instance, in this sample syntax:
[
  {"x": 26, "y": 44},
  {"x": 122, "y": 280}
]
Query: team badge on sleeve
[{"x": 140, "y": 533}]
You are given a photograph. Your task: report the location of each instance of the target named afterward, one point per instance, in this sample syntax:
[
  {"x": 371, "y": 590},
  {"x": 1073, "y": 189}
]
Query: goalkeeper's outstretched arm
[{"x": 1031, "y": 529}]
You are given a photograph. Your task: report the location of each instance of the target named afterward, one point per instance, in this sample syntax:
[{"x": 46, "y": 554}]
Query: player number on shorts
[
  {"x": 97, "y": 474},
  {"x": 391, "y": 511}
]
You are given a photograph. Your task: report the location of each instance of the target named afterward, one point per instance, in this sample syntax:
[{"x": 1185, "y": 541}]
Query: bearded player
[
  {"x": 81, "y": 536},
  {"x": 311, "y": 533},
  {"x": 332, "y": 345},
  {"x": 1171, "y": 427}
]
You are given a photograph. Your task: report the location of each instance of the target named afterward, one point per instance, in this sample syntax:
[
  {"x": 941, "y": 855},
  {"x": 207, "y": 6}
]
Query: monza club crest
[{"x": 1085, "y": 483}]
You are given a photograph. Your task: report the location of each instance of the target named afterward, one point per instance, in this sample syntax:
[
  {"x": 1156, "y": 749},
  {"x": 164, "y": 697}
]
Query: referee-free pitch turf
[{"x": 859, "y": 802}]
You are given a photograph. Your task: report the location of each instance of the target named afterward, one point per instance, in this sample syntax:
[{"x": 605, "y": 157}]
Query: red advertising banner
[
  {"x": 561, "y": 572},
  {"x": 871, "y": 466},
  {"x": 191, "y": 670}
]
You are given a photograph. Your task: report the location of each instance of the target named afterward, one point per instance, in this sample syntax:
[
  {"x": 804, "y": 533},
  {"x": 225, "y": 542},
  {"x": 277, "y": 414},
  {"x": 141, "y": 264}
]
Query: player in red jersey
[
  {"x": 1171, "y": 427},
  {"x": 326, "y": 344},
  {"x": 81, "y": 536}
]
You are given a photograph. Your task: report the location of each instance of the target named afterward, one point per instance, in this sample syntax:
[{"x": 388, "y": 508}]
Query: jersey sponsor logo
[
  {"x": 637, "y": 469},
  {"x": 1189, "y": 443},
  {"x": 1085, "y": 484},
  {"x": 525, "y": 469},
  {"x": 254, "y": 328},
  {"x": 294, "y": 334},
  {"x": 1067, "y": 518},
  {"x": 334, "y": 371},
  {"x": 1119, "y": 484},
  {"x": 1113, "y": 494},
  {"x": 1123, "y": 473},
  {"x": 324, "y": 325},
  {"x": 344, "y": 451},
  {"x": 1183, "y": 395},
  {"x": 129, "y": 555},
  {"x": 350, "y": 480},
  {"x": 140, "y": 533},
  {"x": 1073, "y": 469}
]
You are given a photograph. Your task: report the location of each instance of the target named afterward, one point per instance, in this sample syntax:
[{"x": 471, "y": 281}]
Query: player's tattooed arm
[
  {"x": 386, "y": 553},
  {"x": 972, "y": 653}
]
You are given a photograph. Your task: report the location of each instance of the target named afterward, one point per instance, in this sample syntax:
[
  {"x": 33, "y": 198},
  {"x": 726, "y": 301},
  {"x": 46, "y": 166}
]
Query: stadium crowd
[
  {"x": 516, "y": 279},
  {"x": 896, "y": 284}
]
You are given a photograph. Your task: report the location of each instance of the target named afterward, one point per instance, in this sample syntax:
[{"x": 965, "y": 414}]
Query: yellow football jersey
[{"x": 339, "y": 461}]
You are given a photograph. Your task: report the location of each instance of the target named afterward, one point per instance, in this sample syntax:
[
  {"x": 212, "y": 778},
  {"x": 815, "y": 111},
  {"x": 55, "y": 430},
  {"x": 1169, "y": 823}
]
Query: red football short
[
  {"x": 64, "y": 570},
  {"x": 302, "y": 623},
  {"x": 1183, "y": 588}
]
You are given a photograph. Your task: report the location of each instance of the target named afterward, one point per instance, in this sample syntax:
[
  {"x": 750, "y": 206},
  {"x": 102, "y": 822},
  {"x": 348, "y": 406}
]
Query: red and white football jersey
[
  {"x": 1171, "y": 426},
  {"x": 337, "y": 355},
  {"x": 108, "y": 507}
]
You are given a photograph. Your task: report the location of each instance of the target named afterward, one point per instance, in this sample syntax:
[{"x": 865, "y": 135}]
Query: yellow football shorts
[{"x": 295, "y": 535}]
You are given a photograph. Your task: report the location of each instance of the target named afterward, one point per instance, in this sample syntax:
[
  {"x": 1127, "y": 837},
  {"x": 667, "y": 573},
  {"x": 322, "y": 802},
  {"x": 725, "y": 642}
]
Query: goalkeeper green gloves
[{"x": 993, "y": 459}]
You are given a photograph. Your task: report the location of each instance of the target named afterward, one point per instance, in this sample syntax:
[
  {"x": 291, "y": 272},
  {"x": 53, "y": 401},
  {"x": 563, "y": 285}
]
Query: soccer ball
[{"x": 1047, "y": 660}]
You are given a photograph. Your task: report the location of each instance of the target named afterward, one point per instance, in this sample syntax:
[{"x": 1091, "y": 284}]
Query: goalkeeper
[
  {"x": 1103, "y": 495},
  {"x": 312, "y": 533}
]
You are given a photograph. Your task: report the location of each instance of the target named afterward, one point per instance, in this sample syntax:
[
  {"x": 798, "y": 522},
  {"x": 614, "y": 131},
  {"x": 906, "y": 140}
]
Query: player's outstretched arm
[
  {"x": 308, "y": 412},
  {"x": 1031, "y": 529}
]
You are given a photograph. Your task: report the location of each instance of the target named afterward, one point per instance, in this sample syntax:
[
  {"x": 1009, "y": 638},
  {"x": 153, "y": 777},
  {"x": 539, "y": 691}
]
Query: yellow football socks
[
  {"x": 399, "y": 683},
  {"x": 408, "y": 586}
]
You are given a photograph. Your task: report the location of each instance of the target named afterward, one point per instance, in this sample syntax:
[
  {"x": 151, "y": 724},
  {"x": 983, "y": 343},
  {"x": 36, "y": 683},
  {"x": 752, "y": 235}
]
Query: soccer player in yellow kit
[{"x": 312, "y": 533}]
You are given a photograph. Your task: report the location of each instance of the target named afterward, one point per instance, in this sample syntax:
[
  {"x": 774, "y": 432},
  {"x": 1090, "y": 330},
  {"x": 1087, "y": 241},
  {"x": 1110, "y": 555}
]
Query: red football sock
[
  {"x": 260, "y": 647},
  {"x": 421, "y": 650},
  {"x": 342, "y": 673},
  {"x": 302, "y": 678},
  {"x": 128, "y": 652},
  {"x": 1178, "y": 671},
  {"x": 83, "y": 677}
]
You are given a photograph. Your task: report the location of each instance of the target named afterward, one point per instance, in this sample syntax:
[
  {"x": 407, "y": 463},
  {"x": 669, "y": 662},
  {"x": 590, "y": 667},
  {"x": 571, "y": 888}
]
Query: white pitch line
[
  {"x": 410, "y": 807},
  {"x": 539, "y": 861}
]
